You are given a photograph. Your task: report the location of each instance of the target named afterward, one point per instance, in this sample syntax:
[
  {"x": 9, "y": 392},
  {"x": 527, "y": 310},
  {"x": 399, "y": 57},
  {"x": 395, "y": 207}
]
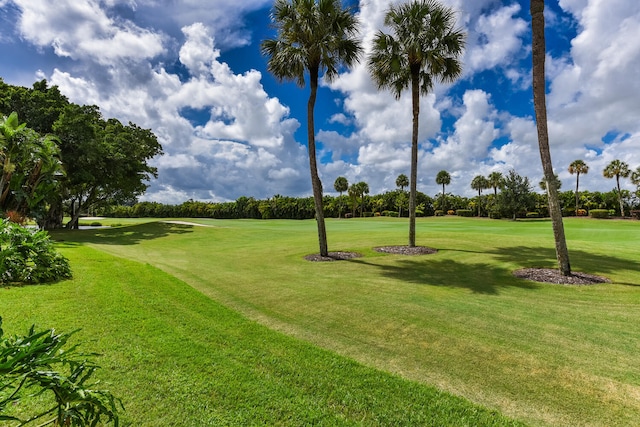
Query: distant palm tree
[
  {"x": 556, "y": 181},
  {"x": 617, "y": 169},
  {"x": 540, "y": 107},
  {"x": 578, "y": 167},
  {"x": 340, "y": 185},
  {"x": 425, "y": 46},
  {"x": 480, "y": 183},
  {"x": 312, "y": 36},
  {"x": 443, "y": 178},
  {"x": 635, "y": 177},
  {"x": 495, "y": 181},
  {"x": 401, "y": 181},
  {"x": 359, "y": 190}
]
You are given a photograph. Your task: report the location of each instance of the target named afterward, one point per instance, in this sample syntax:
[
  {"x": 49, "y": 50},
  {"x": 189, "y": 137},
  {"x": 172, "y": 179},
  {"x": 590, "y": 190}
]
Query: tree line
[
  {"x": 58, "y": 157},
  {"x": 513, "y": 196}
]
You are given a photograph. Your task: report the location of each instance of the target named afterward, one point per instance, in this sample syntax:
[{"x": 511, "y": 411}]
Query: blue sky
[{"x": 192, "y": 72}]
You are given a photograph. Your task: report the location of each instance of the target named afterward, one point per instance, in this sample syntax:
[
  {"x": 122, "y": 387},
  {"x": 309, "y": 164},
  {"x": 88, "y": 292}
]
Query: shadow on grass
[
  {"x": 481, "y": 278},
  {"x": 128, "y": 235},
  {"x": 546, "y": 257}
]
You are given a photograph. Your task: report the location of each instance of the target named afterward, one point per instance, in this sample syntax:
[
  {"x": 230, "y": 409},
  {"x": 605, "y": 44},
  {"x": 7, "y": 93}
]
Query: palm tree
[
  {"x": 401, "y": 181},
  {"x": 424, "y": 47},
  {"x": 495, "y": 181},
  {"x": 556, "y": 181},
  {"x": 359, "y": 190},
  {"x": 443, "y": 178},
  {"x": 480, "y": 183},
  {"x": 539, "y": 102},
  {"x": 340, "y": 185},
  {"x": 577, "y": 167},
  {"x": 635, "y": 177},
  {"x": 313, "y": 36},
  {"x": 617, "y": 169}
]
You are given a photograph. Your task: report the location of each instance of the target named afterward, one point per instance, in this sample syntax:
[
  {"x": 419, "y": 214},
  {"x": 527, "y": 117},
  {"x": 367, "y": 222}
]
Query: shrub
[
  {"x": 533, "y": 215},
  {"x": 568, "y": 212},
  {"x": 439, "y": 212},
  {"x": 612, "y": 212},
  {"x": 95, "y": 224},
  {"x": 16, "y": 217},
  {"x": 464, "y": 212},
  {"x": 451, "y": 212},
  {"x": 28, "y": 256},
  {"x": 36, "y": 364},
  {"x": 582, "y": 212},
  {"x": 495, "y": 214},
  {"x": 599, "y": 213}
]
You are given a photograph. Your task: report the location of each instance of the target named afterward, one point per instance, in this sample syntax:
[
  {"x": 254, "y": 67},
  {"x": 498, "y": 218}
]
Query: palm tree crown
[{"x": 423, "y": 47}]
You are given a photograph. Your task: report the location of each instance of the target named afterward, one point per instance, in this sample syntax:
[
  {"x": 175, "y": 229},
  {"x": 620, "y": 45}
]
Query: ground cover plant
[{"x": 541, "y": 353}]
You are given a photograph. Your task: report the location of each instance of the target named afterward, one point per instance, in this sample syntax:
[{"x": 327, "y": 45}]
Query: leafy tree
[
  {"x": 401, "y": 181},
  {"x": 443, "y": 178},
  {"x": 617, "y": 169},
  {"x": 578, "y": 167},
  {"x": 312, "y": 36},
  {"x": 340, "y": 185},
  {"x": 495, "y": 181},
  {"x": 38, "y": 363},
  {"x": 424, "y": 47},
  {"x": 556, "y": 181},
  {"x": 516, "y": 194},
  {"x": 31, "y": 168},
  {"x": 539, "y": 102},
  {"x": 106, "y": 161},
  {"x": 480, "y": 183}
]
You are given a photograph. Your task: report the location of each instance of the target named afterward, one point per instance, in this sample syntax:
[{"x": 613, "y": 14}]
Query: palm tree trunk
[
  {"x": 415, "y": 102},
  {"x": 620, "y": 196},
  {"x": 539, "y": 101},
  {"x": 577, "y": 186},
  {"x": 315, "y": 179}
]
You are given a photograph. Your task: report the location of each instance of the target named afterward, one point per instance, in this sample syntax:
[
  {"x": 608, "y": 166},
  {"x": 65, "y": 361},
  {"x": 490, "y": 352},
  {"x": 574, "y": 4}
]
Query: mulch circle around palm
[
  {"x": 550, "y": 275},
  {"x": 333, "y": 256},
  {"x": 406, "y": 250}
]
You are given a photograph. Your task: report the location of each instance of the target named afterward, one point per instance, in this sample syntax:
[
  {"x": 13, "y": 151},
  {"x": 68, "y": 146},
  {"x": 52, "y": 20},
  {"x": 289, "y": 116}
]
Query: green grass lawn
[{"x": 539, "y": 353}]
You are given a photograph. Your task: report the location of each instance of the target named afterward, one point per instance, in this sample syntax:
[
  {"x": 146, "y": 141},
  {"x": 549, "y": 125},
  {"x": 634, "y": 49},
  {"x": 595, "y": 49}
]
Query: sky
[{"x": 192, "y": 72}]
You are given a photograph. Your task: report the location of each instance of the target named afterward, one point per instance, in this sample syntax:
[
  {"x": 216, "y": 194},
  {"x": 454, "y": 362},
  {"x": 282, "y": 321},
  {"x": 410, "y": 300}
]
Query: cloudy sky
[{"x": 191, "y": 70}]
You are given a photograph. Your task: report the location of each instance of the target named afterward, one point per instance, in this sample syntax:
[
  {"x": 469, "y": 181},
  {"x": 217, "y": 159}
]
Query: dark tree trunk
[
  {"x": 539, "y": 101},
  {"x": 316, "y": 184},
  {"x": 415, "y": 102}
]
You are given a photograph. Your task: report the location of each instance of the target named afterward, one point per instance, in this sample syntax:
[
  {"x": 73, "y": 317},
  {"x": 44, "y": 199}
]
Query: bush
[
  {"x": 582, "y": 212},
  {"x": 495, "y": 214},
  {"x": 568, "y": 212},
  {"x": 464, "y": 212},
  {"x": 28, "y": 256},
  {"x": 533, "y": 215},
  {"x": 390, "y": 213},
  {"x": 612, "y": 212},
  {"x": 36, "y": 364},
  {"x": 451, "y": 212},
  {"x": 599, "y": 213},
  {"x": 439, "y": 212}
]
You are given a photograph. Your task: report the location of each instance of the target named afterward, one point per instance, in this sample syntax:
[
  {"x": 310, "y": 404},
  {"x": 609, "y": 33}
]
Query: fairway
[{"x": 541, "y": 354}]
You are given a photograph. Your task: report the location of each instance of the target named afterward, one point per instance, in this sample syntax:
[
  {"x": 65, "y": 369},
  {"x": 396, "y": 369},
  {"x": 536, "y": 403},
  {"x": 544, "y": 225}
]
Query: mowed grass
[{"x": 543, "y": 354}]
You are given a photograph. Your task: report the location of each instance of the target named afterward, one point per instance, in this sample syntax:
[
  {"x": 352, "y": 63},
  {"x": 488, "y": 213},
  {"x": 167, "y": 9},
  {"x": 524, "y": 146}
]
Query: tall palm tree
[
  {"x": 313, "y": 36},
  {"x": 578, "y": 167},
  {"x": 635, "y": 177},
  {"x": 556, "y": 181},
  {"x": 425, "y": 46},
  {"x": 617, "y": 169},
  {"x": 443, "y": 178},
  {"x": 480, "y": 183},
  {"x": 495, "y": 181},
  {"x": 340, "y": 185},
  {"x": 401, "y": 181},
  {"x": 359, "y": 190},
  {"x": 539, "y": 102}
]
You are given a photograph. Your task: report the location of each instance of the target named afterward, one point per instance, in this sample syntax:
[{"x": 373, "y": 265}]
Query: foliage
[
  {"x": 464, "y": 212},
  {"x": 30, "y": 168},
  {"x": 28, "y": 256},
  {"x": 599, "y": 213},
  {"x": 39, "y": 364},
  {"x": 516, "y": 197},
  {"x": 617, "y": 169}
]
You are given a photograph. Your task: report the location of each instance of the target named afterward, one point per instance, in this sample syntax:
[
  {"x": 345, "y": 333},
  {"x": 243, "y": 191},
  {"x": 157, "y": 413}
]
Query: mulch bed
[
  {"x": 333, "y": 256},
  {"x": 406, "y": 250},
  {"x": 550, "y": 275}
]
